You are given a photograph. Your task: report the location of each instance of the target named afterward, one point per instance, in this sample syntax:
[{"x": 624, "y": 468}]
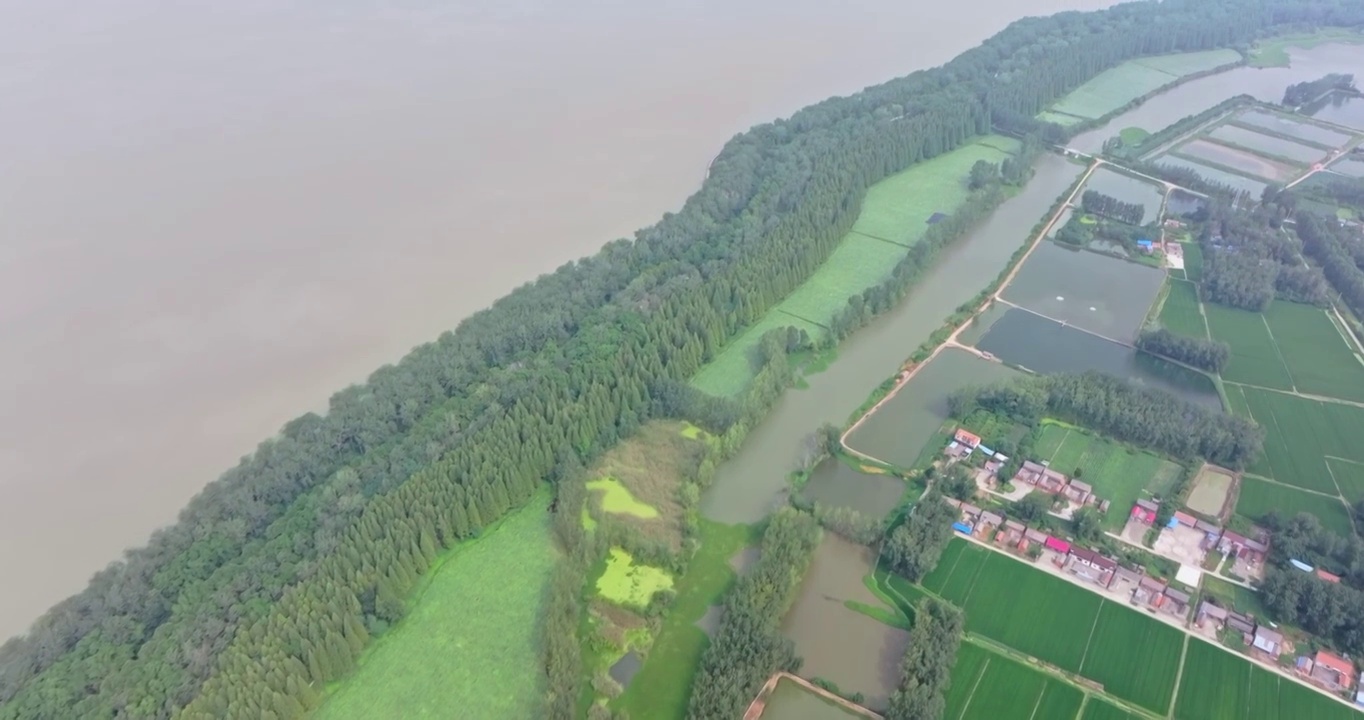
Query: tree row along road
[{"x": 952, "y": 340}]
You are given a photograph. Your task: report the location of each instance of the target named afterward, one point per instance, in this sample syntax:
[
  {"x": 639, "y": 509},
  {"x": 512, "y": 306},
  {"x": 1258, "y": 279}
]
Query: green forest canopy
[{"x": 268, "y": 582}]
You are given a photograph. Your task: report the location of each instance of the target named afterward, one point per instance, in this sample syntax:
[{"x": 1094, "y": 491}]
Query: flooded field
[
  {"x": 746, "y": 485},
  {"x": 790, "y": 701},
  {"x": 1041, "y": 345},
  {"x": 1275, "y": 122},
  {"x": 839, "y": 644},
  {"x": 1100, "y": 294},
  {"x": 1238, "y": 160},
  {"x": 1240, "y": 182},
  {"x": 1127, "y": 189},
  {"x": 897, "y": 432},
  {"x": 1266, "y": 84},
  {"x": 1347, "y": 110},
  {"x": 832, "y": 483},
  {"x": 1268, "y": 144}
]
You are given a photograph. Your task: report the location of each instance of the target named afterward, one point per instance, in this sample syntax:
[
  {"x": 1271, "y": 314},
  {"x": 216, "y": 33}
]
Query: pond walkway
[{"x": 755, "y": 708}]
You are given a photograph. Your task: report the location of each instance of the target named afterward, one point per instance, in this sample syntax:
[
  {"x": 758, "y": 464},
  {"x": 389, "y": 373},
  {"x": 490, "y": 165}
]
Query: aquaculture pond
[
  {"x": 834, "y": 484},
  {"x": 1217, "y": 175},
  {"x": 1269, "y": 145},
  {"x": 1101, "y": 294},
  {"x": 1342, "y": 109},
  {"x": 1127, "y": 189}
]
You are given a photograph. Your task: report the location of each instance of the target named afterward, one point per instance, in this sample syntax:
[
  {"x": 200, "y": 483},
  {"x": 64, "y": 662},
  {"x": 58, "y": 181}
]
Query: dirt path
[
  {"x": 952, "y": 341},
  {"x": 755, "y": 709},
  {"x": 1179, "y": 676},
  {"x": 1303, "y": 395}
]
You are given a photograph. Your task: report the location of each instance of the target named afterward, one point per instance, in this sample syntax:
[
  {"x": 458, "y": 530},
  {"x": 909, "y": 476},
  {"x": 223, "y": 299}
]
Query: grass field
[
  {"x": 1193, "y": 261},
  {"x": 626, "y": 583},
  {"x": 894, "y": 217},
  {"x": 1255, "y": 359},
  {"x": 1226, "y": 687},
  {"x": 986, "y": 686},
  {"x": 1115, "y": 87},
  {"x": 1349, "y": 477},
  {"x": 662, "y": 687},
  {"x": 466, "y": 643},
  {"x": 1096, "y": 709},
  {"x": 1318, "y": 357},
  {"x": 1181, "y": 313},
  {"x": 1135, "y": 658},
  {"x": 1300, "y": 433},
  {"x": 1236, "y": 400},
  {"x": 1117, "y": 474}
]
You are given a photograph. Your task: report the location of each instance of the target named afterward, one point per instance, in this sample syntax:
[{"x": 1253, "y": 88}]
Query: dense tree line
[
  {"x": 1202, "y": 353},
  {"x": 1237, "y": 279},
  {"x": 749, "y": 646},
  {"x": 913, "y": 548},
  {"x": 1340, "y": 257},
  {"x": 1302, "y": 537},
  {"x": 1332, "y": 188},
  {"x": 1108, "y": 206},
  {"x": 1122, "y": 409},
  {"x": 1250, "y": 259},
  {"x": 1189, "y": 179},
  {"x": 1299, "y": 93},
  {"x": 926, "y": 669},
  {"x": 1328, "y": 610},
  {"x": 276, "y": 574}
]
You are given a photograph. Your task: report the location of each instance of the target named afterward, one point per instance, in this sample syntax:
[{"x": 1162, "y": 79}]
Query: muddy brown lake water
[
  {"x": 215, "y": 215},
  {"x": 1095, "y": 292},
  {"x": 833, "y": 484},
  {"x": 790, "y": 701}
]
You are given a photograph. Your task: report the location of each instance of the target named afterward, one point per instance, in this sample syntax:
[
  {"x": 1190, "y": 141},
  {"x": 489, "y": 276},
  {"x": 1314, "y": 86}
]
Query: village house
[
  {"x": 1012, "y": 534},
  {"x": 1128, "y": 575},
  {"x": 1030, "y": 473},
  {"x": 1332, "y": 671},
  {"x": 1231, "y": 542},
  {"x": 1241, "y": 624},
  {"x": 1328, "y": 576},
  {"x": 1185, "y": 519},
  {"x": 969, "y": 511},
  {"x": 1057, "y": 545},
  {"x": 956, "y": 451},
  {"x": 1267, "y": 641},
  {"x": 1091, "y": 566},
  {"x": 1144, "y": 511},
  {"x": 967, "y": 438},
  {"x": 1078, "y": 492},
  {"x": 1033, "y": 537},
  {"x": 1051, "y": 481},
  {"x": 1211, "y": 534},
  {"x": 1176, "y": 602},
  {"x": 1150, "y": 592},
  {"x": 1255, "y": 551},
  {"x": 1209, "y": 612},
  {"x": 992, "y": 466},
  {"x": 988, "y": 522}
]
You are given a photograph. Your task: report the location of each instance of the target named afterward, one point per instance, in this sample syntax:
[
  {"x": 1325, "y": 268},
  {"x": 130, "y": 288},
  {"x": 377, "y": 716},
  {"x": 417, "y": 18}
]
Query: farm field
[
  {"x": 1227, "y": 687},
  {"x": 1255, "y": 359},
  {"x": 1238, "y": 160},
  {"x": 1258, "y": 498},
  {"x": 466, "y": 642},
  {"x": 1193, "y": 261},
  {"x": 1116, "y": 473},
  {"x": 894, "y": 217},
  {"x": 1269, "y": 145},
  {"x": 1349, "y": 477},
  {"x": 1001, "y": 597},
  {"x": 1212, "y": 174},
  {"x": 1300, "y": 433},
  {"x": 1096, "y": 709},
  {"x": 1292, "y": 127},
  {"x": 1120, "y": 85},
  {"x": 1181, "y": 312},
  {"x": 986, "y": 686},
  {"x": 1318, "y": 357},
  {"x": 1236, "y": 401}
]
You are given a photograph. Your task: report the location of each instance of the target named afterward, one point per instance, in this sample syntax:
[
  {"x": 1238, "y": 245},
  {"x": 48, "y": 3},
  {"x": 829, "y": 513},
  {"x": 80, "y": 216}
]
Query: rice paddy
[
  {"x": 1255, "y": 358},
  {"x": 1182, "y": 312},
  {"x": 986, "y": 686},
  {"x": 1301, "y": 433},
  {"x": 1318, "y": 358},
  {"x": 1291, "y": 127},
  {"x": 1269, "y": 145},
  {"x": 1117, "y": 474},
  {"x": 1226, "y": 687},
  {"x": 1118, "y": 86}
]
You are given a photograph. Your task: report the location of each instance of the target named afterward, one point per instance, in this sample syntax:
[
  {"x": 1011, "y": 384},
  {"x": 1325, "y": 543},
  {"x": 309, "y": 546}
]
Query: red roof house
[
  {"x": 1185, "y": 519},
  {"x": 1332, "y": 670},
  {"x": 967, "y": 438},
  {"x": 1058, "y": 545},
  {"x": 1328, "y": 577}
]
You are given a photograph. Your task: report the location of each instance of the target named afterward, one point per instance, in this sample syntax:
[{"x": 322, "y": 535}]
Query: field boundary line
[
  {"x": 1092, "y": 628},
  {"x": 869, "y": 236},
  {"x": 1305, "y": 396},
  {"x": 1309, "y": 491},
  {"x": 788, "y": 313},
  {"x": 975, "y": 687},
  {"x": 1353, "y": 525},
  {"x": 1179, "y": 676},
  {"x": 975, "y": 579},
  {"x": 1274, "y": 341},
  {"x": 1038, "y": 702}
]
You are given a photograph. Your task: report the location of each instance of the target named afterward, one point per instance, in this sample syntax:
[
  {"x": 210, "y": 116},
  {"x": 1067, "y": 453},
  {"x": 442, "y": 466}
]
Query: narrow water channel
[{"x": 747, "y": 485}]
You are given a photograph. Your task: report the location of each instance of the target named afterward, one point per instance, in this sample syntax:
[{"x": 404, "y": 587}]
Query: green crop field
[
  {"x": 1318, "y": 357},
  {"x": 1135, "y": 658},
  {"x": 1236, "y": 400},
  {"x": 730, "y": 371},
  {"x": 1227, "y": 687},
  {"x": 1349, "y": 477},
  {"x": 1116, "y": 473},
  {"x": 1181, "y": 313},
  {"x": 898, "y": 208},
  {"x": 1193, "y": 261},
  {"x": 1118, "y": 86},
  {"x": 986, "y": 686},
  {"x": 1181, "y": 64},
  {"x": 894, "y": 216},
  {"x": 1258, "y": 498},
  {"x": 466, "y": 643},
  {"x": 1255, "y": 359},
  {"x": 1096, "y": 709},
  {"x": 1300, "y": 433}
]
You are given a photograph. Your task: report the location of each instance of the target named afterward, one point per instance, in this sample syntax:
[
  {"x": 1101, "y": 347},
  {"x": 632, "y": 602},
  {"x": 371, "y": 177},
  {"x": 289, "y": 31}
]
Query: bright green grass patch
[
  {"x": 470, "y": 640},
  {"x": 1181, "y": 313},
  {"x": 1300, "y": 433},
  {"x": 1258, "y": 498},
  {"x": 1318, "y": 357},
  {"x": 691, "y": 432},
  {"x": 1226, "y": 687},
  {"x": 628, "y": 584},
  {"x": 1117, "y": 474},
  {"x": 1088, "y": 220},
  {"x": 1096, "y": 709},
  {"x": 1243, "y": 600},
  {"x": 1061, "y": 119},
  {"x": 1007, "y": 690},
  {"x": 970, "y": 665},
  {"x": 1193, "y": 261},
  {"x": 1050, "y": 440},
  {"x": 1274, "y": 51},
  {"x": 616, "y": 498},
  {"x": 1135, "y": 659},
  {"x": 1349, "y": 477},
  {"x": 1255, "y": 359},
  {"x": 730, "y": 371},
  {"x": 858, "y": 263},
  {"x": 1181, "y": 64},
  {"x": 898, "y": 208},
  {"x": 662, "y": 687},
  {"x": 1133, "y": 136},
  {"x": 589, "y": 523}
]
